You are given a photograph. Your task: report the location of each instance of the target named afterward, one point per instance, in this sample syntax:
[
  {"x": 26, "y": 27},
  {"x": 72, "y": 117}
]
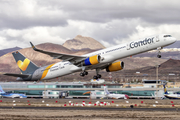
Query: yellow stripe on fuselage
[{"x": 46, "y": 71}]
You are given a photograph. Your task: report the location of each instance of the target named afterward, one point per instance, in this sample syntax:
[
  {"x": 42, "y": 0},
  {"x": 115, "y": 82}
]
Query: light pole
[
  {"x": 157, "y": 66},
  {"x": 137, "y": 73}
]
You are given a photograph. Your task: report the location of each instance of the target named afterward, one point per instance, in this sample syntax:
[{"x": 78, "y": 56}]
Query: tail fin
[
  {"x": 165, "y": 90},
  {"x": 1, "y": 90},
  {"x": 24, "y": 64},
  {"x": 106, "y": 92}
]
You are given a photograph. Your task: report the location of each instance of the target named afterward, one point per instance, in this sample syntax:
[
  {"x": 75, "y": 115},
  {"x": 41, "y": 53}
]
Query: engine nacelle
[
  {"x": 115, "y": 66},
  {"x": 92, "y": 60}
]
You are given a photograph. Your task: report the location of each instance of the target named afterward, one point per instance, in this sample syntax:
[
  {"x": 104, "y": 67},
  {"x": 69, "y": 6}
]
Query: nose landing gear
[
  {"x": 159, "y": 52},
  {"x": 159, "y": 56}
]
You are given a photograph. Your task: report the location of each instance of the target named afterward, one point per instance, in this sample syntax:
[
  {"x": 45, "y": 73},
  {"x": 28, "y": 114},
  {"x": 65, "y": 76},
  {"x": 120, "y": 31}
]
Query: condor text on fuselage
[{"x": 146, "y": 41}]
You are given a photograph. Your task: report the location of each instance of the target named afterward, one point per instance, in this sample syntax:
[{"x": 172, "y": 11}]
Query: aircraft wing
[
  {"x": 16, "y": 75},
  {"x": 71, "y": 58}
]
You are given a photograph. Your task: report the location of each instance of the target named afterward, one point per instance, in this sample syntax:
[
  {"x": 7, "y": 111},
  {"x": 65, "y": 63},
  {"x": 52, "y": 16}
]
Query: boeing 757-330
[{"x": 99, "y": 60}]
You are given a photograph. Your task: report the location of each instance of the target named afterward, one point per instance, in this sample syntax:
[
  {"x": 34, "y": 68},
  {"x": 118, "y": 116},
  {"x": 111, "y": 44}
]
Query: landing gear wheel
[
  {"x": 95, "y": 77},
  {"x": 82, "y": 74},
  {"x": 159, "y": 56},
  {"x": 98, "y": 75},
  {"x": 85, "y": 73}
]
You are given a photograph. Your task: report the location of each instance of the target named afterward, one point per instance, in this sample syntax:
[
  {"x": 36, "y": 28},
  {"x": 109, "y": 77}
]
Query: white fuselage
[
  {"x": 108, "y": 55},
  {"x": 172, "y": 96},
  {"x": 116, "y": 96},
  {"x": 14, "y": 95}
]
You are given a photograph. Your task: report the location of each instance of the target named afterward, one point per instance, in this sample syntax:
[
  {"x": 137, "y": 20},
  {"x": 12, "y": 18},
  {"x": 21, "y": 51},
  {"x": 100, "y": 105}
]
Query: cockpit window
[{"x": 167, "y": 36}]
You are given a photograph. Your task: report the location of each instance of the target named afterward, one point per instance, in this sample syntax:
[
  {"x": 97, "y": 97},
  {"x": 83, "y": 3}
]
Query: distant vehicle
[
  {"x": 114, "y": 96},
  {"x": 175, "y": 95},
  {"x": 98, "y": 60},
  {"x": 11, "y": 95}
]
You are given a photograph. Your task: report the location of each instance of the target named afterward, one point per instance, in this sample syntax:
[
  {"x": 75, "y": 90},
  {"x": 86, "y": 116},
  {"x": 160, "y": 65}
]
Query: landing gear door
[{"x": 157, "y": 38}]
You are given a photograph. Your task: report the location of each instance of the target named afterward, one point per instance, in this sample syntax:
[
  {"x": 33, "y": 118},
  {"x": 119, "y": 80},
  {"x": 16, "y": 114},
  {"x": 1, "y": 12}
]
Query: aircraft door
[
  {"x": 157, "y": 38},
  {"x": 128, "y": 47}
]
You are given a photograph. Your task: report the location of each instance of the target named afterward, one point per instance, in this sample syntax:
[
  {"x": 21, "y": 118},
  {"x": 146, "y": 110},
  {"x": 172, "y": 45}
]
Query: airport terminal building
[{"x": 76, "y": 89}]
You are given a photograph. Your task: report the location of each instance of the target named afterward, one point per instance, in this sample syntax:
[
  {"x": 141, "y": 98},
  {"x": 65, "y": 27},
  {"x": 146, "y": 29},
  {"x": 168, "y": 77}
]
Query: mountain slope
[
  {"x": 5, "y": 51},
  {"x": 81, "y": 42},
  {"x": 169, "y": 66}
]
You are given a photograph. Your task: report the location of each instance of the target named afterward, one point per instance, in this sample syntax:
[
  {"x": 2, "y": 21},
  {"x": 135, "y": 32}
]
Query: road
[{"x": 95, "y": 108}]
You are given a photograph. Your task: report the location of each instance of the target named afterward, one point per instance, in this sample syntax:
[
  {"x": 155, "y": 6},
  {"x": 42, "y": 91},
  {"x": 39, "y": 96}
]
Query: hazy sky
[{"x": 110, "y": 22}]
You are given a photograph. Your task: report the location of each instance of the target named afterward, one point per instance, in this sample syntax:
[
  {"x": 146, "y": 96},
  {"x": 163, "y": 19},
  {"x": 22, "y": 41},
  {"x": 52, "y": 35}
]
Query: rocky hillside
[
  {"x": 81, "y": 42},
  {"x": 5, "y": 51},
  {"x": 167, "y": 67},
  {"x": 165, "y": 53},
  {"x": 137, "y": 62},
  {"x": 174, "y": 45}
]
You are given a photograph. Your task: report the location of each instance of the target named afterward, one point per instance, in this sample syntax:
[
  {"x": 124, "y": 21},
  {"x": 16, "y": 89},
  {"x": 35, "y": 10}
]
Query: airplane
[
  {"x": 107, "y": 94},
  {"x": 98, "y": 60},
  {"x": 114, "y": 96},
  {"x": 175, "y": 95},
  {"x": 11, "y": 95}
]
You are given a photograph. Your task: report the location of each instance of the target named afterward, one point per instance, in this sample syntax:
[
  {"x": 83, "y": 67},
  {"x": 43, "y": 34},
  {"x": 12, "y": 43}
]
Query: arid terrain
[
  {"x": 36, "y": 114},
  {"x": 57, "y": 111}
]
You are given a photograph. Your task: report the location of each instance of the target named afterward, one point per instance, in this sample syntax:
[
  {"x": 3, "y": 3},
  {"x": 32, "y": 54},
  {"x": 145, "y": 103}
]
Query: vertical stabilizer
[
  {"x": 106, "y": 92},
  {"x": 165, "y": 90},
  {"x": 1, "y": 90},
  {"x": 24, "y": 64}
]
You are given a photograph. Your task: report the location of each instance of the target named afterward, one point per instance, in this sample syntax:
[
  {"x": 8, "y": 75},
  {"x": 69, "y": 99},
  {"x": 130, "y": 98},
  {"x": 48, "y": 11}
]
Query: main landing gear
[
  {"x": 159, "y": 52},
  {"x": 97, "y": 74},
  {"x": 83, "y": 73}
]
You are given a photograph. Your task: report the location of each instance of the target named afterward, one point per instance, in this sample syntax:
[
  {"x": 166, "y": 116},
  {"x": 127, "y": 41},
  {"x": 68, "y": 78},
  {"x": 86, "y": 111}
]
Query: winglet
[{"x": 33, "y": 46}]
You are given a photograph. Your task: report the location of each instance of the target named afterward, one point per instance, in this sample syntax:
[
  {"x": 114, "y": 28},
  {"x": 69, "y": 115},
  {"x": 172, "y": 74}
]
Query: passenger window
[{"x": 167, "y": 35}]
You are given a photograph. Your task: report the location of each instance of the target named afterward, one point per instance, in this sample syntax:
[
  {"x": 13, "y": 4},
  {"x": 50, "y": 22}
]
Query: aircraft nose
[{"x": 173, "y": 39}]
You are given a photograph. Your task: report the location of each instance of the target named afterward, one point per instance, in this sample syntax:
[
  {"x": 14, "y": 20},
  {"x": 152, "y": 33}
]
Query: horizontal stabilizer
[{"x": 17, "y": 75}]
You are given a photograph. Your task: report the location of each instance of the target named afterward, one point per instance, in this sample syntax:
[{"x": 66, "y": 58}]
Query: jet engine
[
  {"x": 115, "y": 66},
  {"x": 92, "y": 60}
]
